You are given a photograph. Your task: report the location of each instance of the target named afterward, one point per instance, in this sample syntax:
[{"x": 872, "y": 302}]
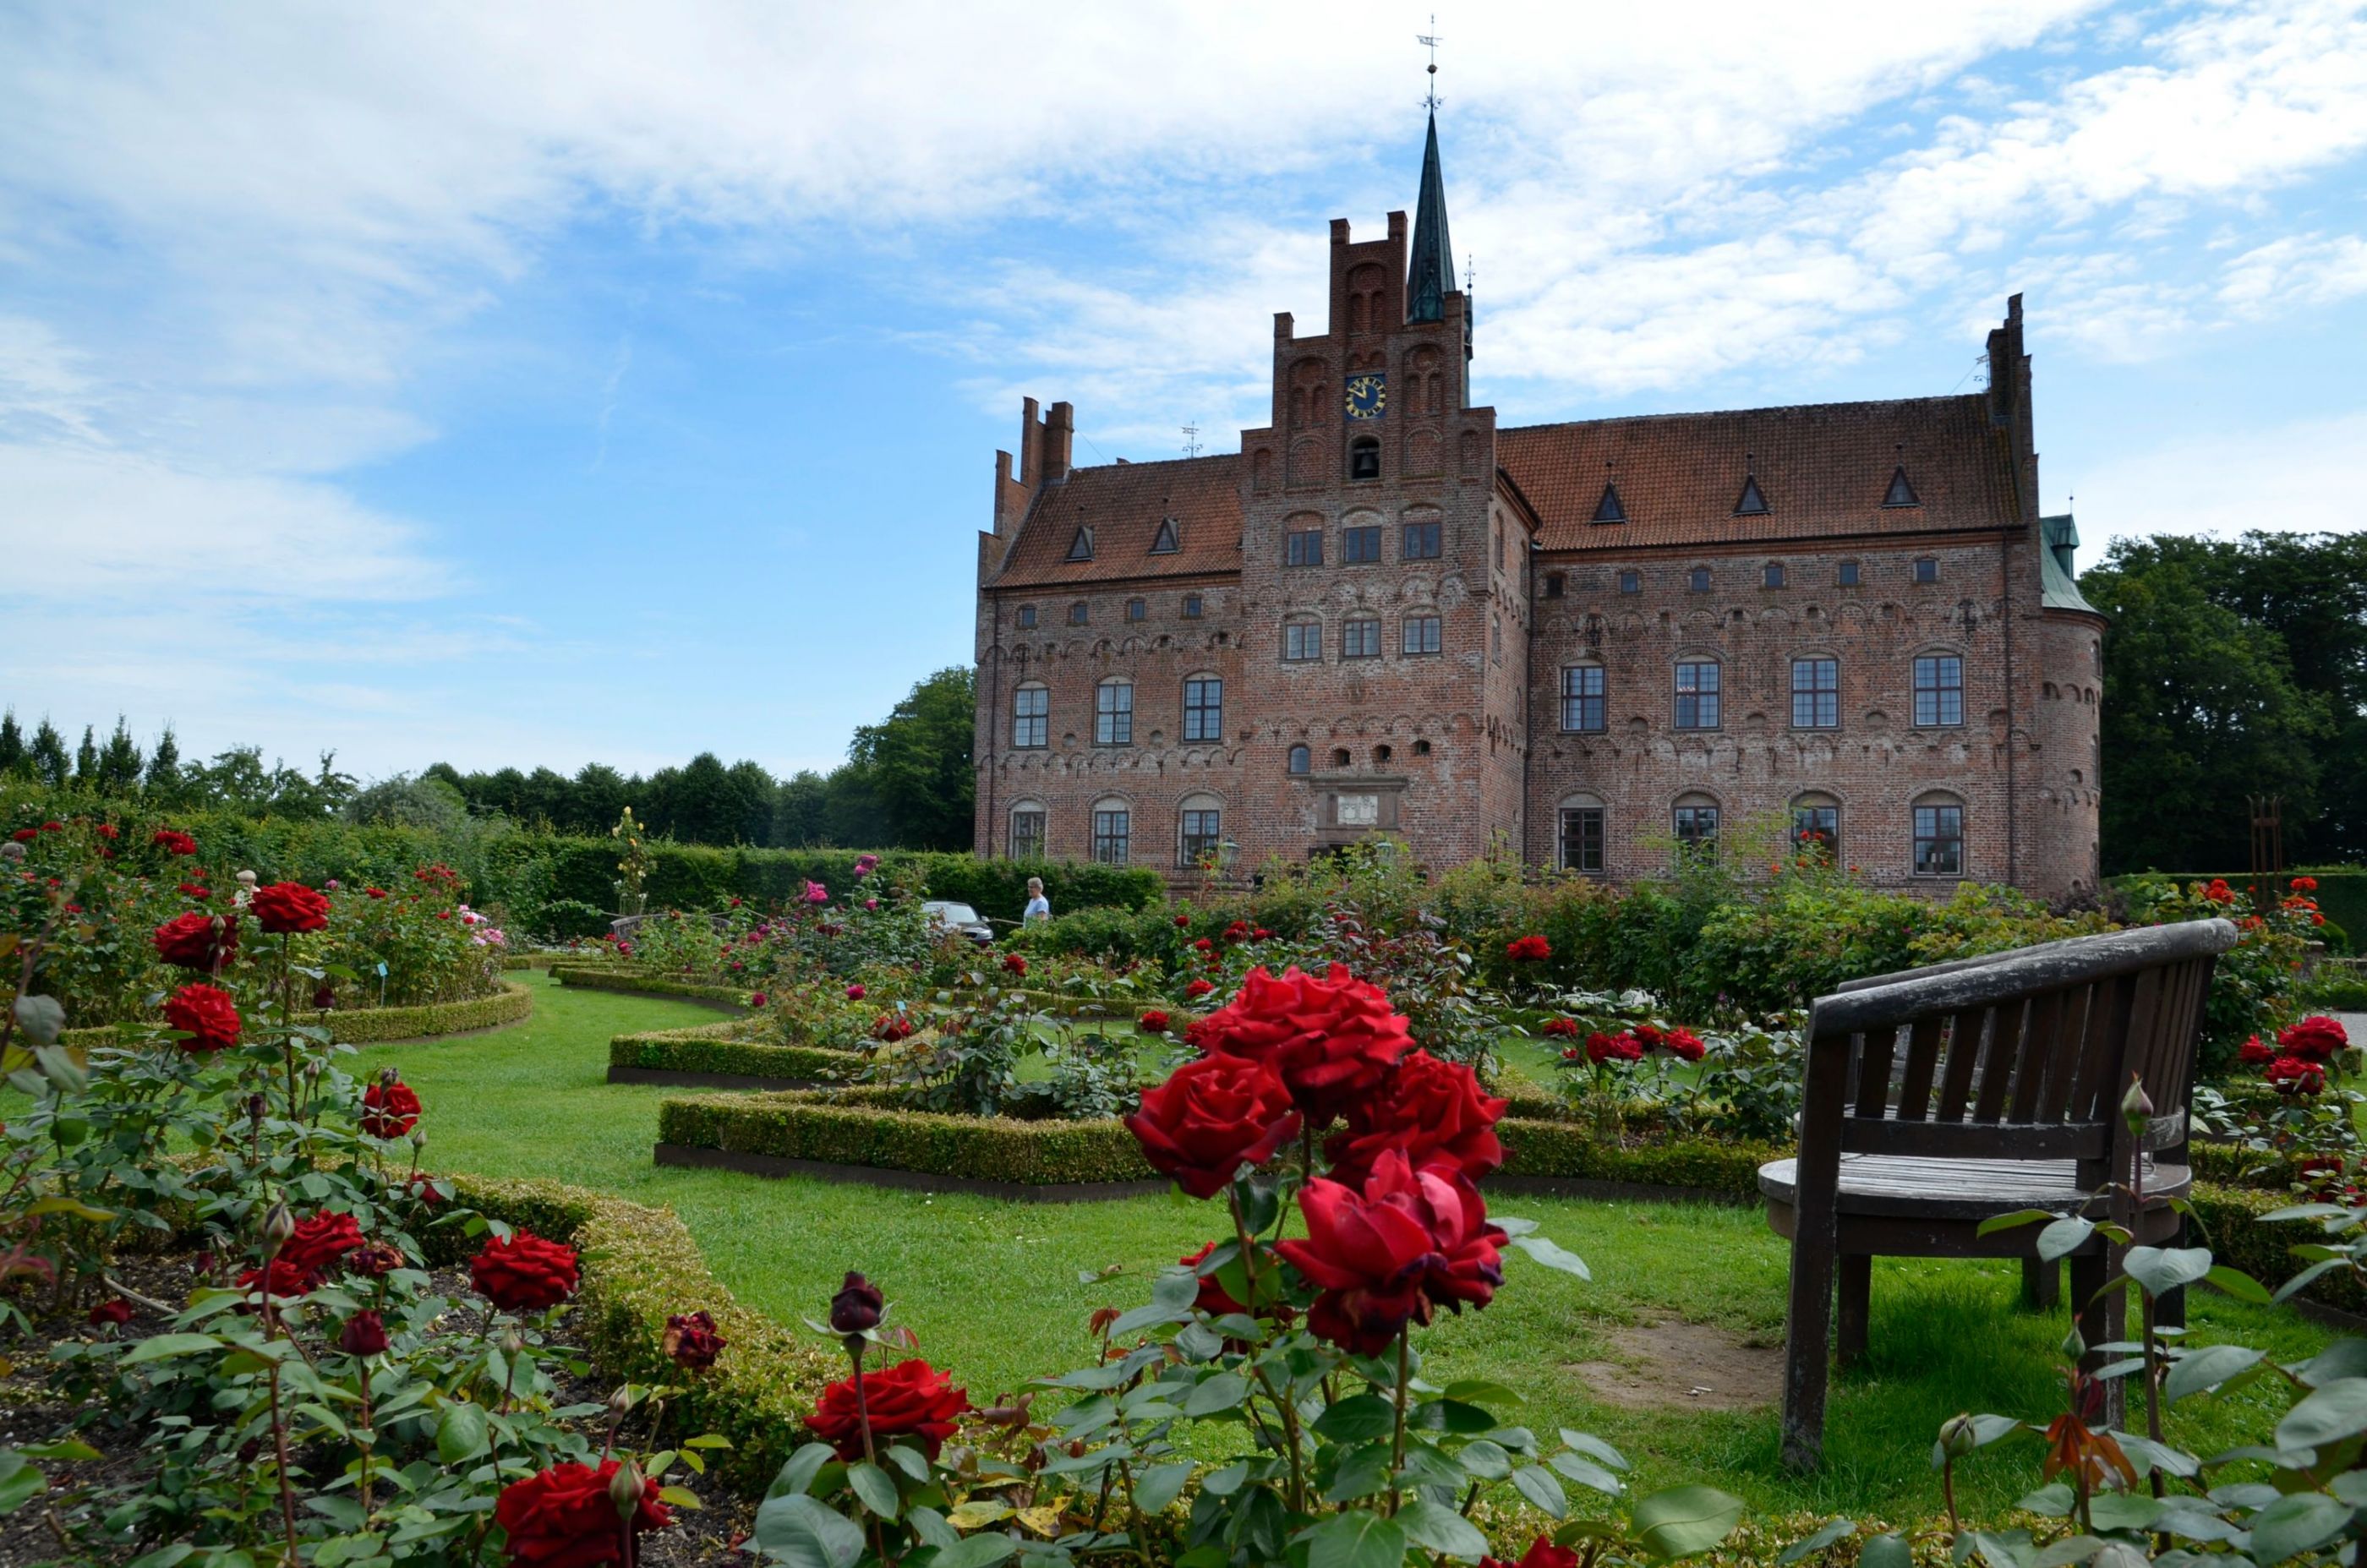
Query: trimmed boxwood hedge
[
  {"x": 1570, "y": 1151},
  {"x": 512, "y": 1003},
  {"x": 711, "y": 1049},
  {"x": 617, "y": 977},
  {"x": 640, "y": 1266},
  {"x": 817, "y": 1126}
]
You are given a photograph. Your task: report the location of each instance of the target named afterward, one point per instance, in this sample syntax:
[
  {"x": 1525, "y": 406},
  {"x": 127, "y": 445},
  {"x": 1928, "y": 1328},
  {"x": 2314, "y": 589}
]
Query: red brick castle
[{"x": 1590, "y": 643}]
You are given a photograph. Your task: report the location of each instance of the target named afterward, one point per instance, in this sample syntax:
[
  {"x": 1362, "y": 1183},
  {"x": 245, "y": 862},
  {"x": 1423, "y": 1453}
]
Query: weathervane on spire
[{"x": 1429, "y": 42}]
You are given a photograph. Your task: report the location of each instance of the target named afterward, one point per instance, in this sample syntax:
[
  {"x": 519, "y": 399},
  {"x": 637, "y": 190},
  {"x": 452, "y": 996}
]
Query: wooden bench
[{"x": 1942, "y": 1096}]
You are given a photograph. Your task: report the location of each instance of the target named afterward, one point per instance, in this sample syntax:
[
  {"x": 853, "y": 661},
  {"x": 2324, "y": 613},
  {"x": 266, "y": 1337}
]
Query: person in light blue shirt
[{"x": 1039, "y": 908}]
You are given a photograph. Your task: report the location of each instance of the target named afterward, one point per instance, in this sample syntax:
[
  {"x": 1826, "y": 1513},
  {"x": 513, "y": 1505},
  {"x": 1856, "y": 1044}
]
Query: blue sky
[{"x": 543, "y": 384}]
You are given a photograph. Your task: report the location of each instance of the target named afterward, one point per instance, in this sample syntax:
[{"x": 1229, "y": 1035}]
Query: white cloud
[{"x": 2299, "y": 270}]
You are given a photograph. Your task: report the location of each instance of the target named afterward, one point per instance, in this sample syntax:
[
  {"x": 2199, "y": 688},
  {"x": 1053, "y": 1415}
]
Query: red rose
[
  {"x": 757, "y": 1000},
  {"x": 525, "y": 1273},
  {"x": 1205, "y": 945},
  {"x": 375, "y": 892},
  {"x": 1213, "y": 1115},
  {"x": 2291, "y": 1074},
  {"x": 389, "y": 1109},
  {"x": 1183, "y": 923},
  {"x": 25, "y": 835},
  {"x": 1153, "y": 1022},
  {"x": 1542, "y": 1553},
  {"x": 854, "y": 993},
  {"x": 206, "y": 1014},
  {"x": 174, "y": 841},
  {"x": 1197, "y": 989},
  {"x": 1329, "y": 1040},
  {"x": 1562, "y": 1028},
  {"x": 2256, "y": 1053},
  {"x": 892, "y": 1026},
  {"x": 1015, "y": 963},
  {"x": 289, "y": 907},
  {"x": 563, "y": 1517},
  {"x": 1602, "y": 1048},
  {"x": 193, "y": 890},
  {"x": 1528, "y": 950},
  {"x": 912, "y": 1399},
  {"x": 1237, "y": 932},
  {"x": 1683, "y": 1043},
  {"x": 691, "y": 1340},
  {"x": 54, "y": 827},
  {"x": 2219, "y": 892},
  {"x": 2313, "y": 1039},
  {"x": 197, "y": 941},
  {"x": 319, "y": 1241},
  {"x": 115, "y": 1310},
  {"x": 1260, "y": 934},
  {"x": 1214, "y": 1299},
  {"x": 1409, "y": 1244},
  {"x": 363, "y": 1334},
  {"x": 2304, "y": 884},
  {"x": 1433, "y": 1112}
]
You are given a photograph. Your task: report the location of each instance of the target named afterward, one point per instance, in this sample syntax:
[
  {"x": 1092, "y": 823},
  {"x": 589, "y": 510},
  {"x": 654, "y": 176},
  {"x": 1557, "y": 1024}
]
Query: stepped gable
[
  {"x": 1122, "y": 504},
  {"x": 1824, "y": 469}
]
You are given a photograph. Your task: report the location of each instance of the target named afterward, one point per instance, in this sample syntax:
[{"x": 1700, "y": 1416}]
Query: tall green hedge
[{"x": 2341, "y": 897}]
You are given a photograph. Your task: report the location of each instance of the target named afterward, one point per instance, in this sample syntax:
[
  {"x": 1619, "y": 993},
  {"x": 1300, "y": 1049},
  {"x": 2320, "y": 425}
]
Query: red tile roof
[
  {"x": 1824, "y": 468},
  {"x": 1123, "y": 503}
]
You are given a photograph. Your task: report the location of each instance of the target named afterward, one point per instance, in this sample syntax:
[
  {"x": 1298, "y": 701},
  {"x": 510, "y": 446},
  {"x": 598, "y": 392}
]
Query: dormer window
[
  {"x": 1081, "y": 546},
  {"x": 1608, "y": 509},
  {"x": 1901, "y": 492},
  {"x": 1365, "y": 458},
  {"x": 1752, "y": 502},
  {"x": 1165, "y": 542}
]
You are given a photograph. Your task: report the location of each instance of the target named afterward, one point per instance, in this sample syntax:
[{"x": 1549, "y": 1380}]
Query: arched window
[
  {"x": 1204, "y": 708},
  {"x": 1583, "y": 834},
  {"x": 1199, "y": 830},
  {"x": 1114, "y": 713},
  {"x": 1365, "y": 458},
  {"x": 1939, "y": 835},
  {"x": 1816, "y": 828},
  {"x": 1113, "y": 832},
  {"x": 1697, "y": 694},
  {"x": 1694, "y": 821},
  {"x": 1031, "y": 706},
  {"x": 1338, "y": 756},
  {"x": 1302, "y": 761},
  {"x": 1027, "y": 820}
]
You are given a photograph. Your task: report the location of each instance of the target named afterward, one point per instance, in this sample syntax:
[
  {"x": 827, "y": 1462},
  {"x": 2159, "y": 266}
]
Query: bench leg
[
  {"x": 2041, "y": 1284},
  {"x": 1807, "y": 1328},
  {"x": 1856, "y": 1288}
]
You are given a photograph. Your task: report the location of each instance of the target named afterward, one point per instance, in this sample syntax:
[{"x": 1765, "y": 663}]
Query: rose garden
[{"x": 1353, "y": 1218}]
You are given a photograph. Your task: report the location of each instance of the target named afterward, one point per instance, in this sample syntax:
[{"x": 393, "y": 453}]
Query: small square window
[
  {"x": 1631, "y": 583},
  {"x": 1191, "y": 606},
  {"x": 1135, "y": 609},
  {"x": 1927, "y": 568},
  {"x": 1360, "y": 639},
  {"x": 1420, "y": 542},
  {"x": 1419, "y": 634},
  {"x": 1360, "y": 544},
  {"x": 1698, "y": 579},
  {"x": 1773, "y": 577},
  {"x": 1076, "y": 615},
  {"x": 1553, "y": 585},
  {"x": 1026, "y": 617},
  {"x": 1847, "y": 576},
  {"x": 1303, "y": 547}
]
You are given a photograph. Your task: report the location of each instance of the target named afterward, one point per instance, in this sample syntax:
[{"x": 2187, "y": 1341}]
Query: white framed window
[
  {"x": 1031, "y": 708},
  {"x": 1114, "y": 713}
]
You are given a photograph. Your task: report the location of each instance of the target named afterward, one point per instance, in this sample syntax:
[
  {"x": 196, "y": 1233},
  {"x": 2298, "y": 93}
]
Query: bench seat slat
[{"x": 1917, "y": 1185}]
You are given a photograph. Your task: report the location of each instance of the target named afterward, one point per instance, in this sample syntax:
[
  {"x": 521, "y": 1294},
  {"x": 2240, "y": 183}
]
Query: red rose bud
[
  {"x": 2137, "y": 1106},
  {"x": 324, "y": 997},
  {"x": 1213, "y": 1115},
  {"x": 691, "y": 1341},
  {"x": 625, "y": 1489},
  {"x": 114, "y": 1311},
  {"x": 363, "y": 1334},
  {"x": 857, "y": 1305},
  {"x": 290, "y": 908},
  {"x": 278, "y": 1224},
  {"x": 525, "y": 1273}
]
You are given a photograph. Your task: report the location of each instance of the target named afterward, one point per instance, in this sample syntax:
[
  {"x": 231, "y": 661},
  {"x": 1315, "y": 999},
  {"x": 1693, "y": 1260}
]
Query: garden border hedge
[
  {"x": 611, "y": 978},
  {"x": 707, "y": 1056},
  {"x": 512, "y": 1003}
]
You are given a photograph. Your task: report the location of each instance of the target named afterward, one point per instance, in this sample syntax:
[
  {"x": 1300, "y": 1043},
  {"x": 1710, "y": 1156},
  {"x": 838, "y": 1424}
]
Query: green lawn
[{"x": 992, "y": 1288}]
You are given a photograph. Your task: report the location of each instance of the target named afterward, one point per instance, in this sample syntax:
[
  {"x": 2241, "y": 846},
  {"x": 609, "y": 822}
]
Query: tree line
[{"x": 907, "y": 782}]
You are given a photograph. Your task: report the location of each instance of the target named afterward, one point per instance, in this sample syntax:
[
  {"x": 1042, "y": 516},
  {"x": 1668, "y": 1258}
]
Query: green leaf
[
  {"x": 1683, "y": 1520},
  {"x": 930, "y": 1525},
  {"x": 1357, "y": 1419},
  {"x": 1486, "y": 1460},
  {"x": 2162, "y": 1269},
  {"x": 1990, "y": 1226},
  {"x": 1587, "y": 1443},
  {"x": 1480, "y": 1391},
  {"x": 796, "y": 1530},
  {"x": 1160, "y": 1485},
  {"x": 166, "y": 1556},
  {"x": 874, "y": 1486},
  {"x": 2343, "y": 1358},
  {"x": 977, "y": 1551},
  {"x": 2238, "y": 1284},
  {"x": 2336, "y": 1410},
  {"x": 2122, "y": 1511},
  {"x": 1540, "y": 1487},
  {"x": 1884, "y": 1551},
  {"x": 908, "y": 1459},
  {"x": 2064, "y": 1237},
  {"x": 63, "y": 1449},
  {"x": 2293, "y": 1525},
  {"x": 158, "y": 1347},
  {"x": 2206, "y": 1368},
  {"x": 1552, "y": 1255},
  {"x": 1586, "y": 1472},
  {"x": 1834, "y": 1529},
  {"x": 1433, "y": 1527},
  {"x": 798, "y": 1473},
  {"x": 19, "y": 1482},
  {"x": 1355, "y": 1539},
  {"x": 2070, "y": 1548},
  {"x": 460, "y": 1432},
  {"x": 980, "y": 1512},
  {"x": 1226, "y": 1391}
]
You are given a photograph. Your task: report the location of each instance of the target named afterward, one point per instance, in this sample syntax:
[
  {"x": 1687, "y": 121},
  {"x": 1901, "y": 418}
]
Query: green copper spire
[{"x": 1429, "y": 277}]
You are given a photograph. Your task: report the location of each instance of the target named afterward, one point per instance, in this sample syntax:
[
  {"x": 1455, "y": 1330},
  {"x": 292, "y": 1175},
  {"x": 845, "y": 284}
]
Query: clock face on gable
[{"x": 1369, "y": 395}]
